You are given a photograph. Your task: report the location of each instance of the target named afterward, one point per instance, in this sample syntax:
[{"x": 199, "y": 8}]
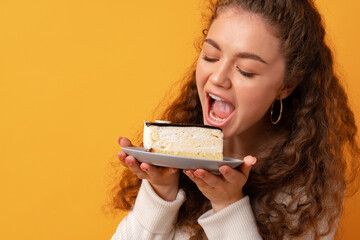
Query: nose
[{"x": 221, "y": 75}]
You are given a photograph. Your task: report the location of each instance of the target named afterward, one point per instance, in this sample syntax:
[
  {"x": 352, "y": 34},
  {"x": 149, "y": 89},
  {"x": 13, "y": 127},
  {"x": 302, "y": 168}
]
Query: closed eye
[
  {"x": 246, "y": 74},
  {"x": 206, "y": 58}
]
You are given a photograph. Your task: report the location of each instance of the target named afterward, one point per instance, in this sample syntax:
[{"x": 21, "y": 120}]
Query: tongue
[{"x": 222, "y": 109}]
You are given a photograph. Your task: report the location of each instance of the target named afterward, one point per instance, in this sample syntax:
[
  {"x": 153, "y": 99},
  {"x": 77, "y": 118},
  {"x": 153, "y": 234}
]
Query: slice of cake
[{"x": 196, "y": 141}]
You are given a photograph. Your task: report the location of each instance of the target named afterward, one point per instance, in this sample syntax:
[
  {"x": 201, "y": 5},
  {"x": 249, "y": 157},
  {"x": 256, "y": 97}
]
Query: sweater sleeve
[
  {"x": 151, "y": 218},
  {"x": 236, "y": 221}
]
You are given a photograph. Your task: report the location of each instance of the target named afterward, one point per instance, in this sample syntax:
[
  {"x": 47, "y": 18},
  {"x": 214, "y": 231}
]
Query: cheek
[
  {"x": 255, "y": 97},
  {"x": 199, "y": 71}
]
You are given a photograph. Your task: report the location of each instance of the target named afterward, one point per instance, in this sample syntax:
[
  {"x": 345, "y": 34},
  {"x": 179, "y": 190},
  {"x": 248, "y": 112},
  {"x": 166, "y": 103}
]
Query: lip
[{"x": 211, "y": 121}]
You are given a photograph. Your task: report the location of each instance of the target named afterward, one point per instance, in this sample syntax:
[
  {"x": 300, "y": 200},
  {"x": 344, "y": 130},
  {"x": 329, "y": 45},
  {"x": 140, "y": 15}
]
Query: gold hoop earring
[{"x": 271, "y": 114}]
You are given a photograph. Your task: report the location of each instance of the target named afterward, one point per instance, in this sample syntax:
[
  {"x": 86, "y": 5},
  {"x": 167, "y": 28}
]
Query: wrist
[
  {"x": 166, "y": 192},
  {"x": 221, "y": 205}
]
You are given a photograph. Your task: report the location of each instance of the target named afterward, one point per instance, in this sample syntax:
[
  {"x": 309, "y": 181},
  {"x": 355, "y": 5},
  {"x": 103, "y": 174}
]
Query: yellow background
[{"x": 75, "y": 75}]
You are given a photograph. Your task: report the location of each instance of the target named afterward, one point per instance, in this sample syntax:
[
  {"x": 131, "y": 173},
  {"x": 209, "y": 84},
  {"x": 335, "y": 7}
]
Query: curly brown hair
[{"x": 315, "y": 160}]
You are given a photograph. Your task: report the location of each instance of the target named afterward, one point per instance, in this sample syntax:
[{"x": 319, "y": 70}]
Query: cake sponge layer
[{"x": 184, "y": 140}]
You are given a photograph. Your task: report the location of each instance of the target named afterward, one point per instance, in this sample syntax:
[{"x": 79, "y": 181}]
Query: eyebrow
[{"x": 240, "y": 55}]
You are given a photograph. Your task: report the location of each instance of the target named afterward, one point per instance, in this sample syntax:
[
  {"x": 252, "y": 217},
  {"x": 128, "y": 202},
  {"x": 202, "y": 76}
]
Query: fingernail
[
  {"x": 254, "y": 160},
  {"x": 129, "y": 162},
  {"x": 189, "y": 173},
  {"x": 222, "y": 170},
  {"x": 118, "y": 140},
  {"x": 120, "y": 155},
  {"x": 174, "y": 170},
  {"x": 199, "y": 174},
  {"x": 143, "y": 168}
]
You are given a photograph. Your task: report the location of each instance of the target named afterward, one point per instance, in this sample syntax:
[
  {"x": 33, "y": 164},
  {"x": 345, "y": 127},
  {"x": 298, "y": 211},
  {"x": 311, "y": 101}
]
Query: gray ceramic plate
[{"x": 164, "y": 160}]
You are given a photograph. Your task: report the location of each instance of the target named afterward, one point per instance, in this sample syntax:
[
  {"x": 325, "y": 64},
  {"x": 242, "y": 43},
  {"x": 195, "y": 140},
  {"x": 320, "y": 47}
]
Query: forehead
[{"x": 240, "y": 30}]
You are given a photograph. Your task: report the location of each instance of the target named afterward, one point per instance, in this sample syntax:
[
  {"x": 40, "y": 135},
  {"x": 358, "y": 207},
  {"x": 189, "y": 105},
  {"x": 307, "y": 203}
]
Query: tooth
[
  {"x": 216, "y": 97},
  {"x": 215, "y": 117}
]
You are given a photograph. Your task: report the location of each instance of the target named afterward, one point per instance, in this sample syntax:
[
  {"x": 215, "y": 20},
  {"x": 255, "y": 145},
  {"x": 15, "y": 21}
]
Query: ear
[{"x": 285, "y": 91}]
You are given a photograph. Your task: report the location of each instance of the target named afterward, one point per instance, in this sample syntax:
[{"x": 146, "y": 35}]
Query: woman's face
[{"x": 239, "y": 72}]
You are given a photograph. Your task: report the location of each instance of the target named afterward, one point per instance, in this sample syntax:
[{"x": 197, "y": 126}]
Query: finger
[
  {"x": 207, "y": 177},
  {"x": 245, "y": 167},
  {"x": 154, "y": 171},
  {"x": 189, "y": 173},
  {"x": 172, "y": 170},
  {"x": 231, "y": 175},
  {"x": 149, "y": 169},
  {"x": 122, "y": 156},
  {"x": 124, "y": 142},
  {"x": 134, "y": 167},
  {"x": 198, "y": 179}
]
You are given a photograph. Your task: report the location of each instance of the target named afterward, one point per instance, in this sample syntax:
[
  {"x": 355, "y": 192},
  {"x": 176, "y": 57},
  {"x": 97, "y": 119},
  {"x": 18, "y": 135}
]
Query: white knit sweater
[{"x": 153, "y": 218}]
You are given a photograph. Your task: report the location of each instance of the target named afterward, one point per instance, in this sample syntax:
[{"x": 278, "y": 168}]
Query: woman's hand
[
  {"x": 165, "y": 181},
  {"x": 226, "y": 188}
]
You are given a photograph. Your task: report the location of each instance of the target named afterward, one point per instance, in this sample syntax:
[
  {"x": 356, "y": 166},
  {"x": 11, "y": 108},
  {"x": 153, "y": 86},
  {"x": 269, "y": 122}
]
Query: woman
[{"x": 265, "y": 76}]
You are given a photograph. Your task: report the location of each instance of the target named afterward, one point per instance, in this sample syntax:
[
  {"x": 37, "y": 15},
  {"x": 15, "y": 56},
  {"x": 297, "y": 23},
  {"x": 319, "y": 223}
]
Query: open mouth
[{"x": 220, "y": 110}]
